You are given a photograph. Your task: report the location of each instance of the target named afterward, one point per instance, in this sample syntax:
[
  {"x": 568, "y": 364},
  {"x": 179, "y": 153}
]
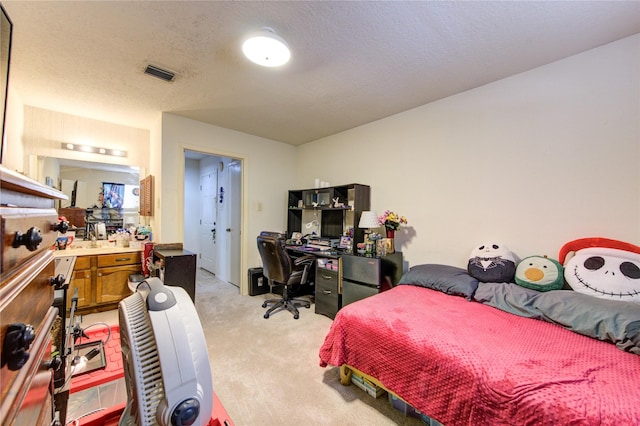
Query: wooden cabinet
[
  {"x": 178, "y": 268},
  {"x": 146, "y": 196},
  {"x": 27, "y": 220},
  {"x": 102, "y": 280},
  {"x": 330, "y": 212},
  {"x": 81, "y": 280}
]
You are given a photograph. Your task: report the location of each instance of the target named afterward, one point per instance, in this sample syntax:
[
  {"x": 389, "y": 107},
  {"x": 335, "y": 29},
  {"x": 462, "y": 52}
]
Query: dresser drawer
[
  {"x": 20, "y": 221},
  {"x": 30, "y": 398},
  {"x": 26, "y": 298},
  {"x": 128, "y": 258},
  {"x": 82, "y": 262}
]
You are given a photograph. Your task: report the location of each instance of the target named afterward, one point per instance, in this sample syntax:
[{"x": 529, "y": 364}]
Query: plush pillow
[
  {"x": 611, "y": 321},
  {"x": 492, "y": 262},
  {"x": 444, "y": 278},
  {"x": 539, "y": 273},
  {"x": 603, "y": 268}
]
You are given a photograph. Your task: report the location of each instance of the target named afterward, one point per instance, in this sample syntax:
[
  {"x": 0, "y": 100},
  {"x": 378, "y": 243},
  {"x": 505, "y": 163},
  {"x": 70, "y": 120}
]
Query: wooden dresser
[{"x": 28, "y": 229}]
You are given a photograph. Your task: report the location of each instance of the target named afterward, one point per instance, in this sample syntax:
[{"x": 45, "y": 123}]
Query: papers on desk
[{"x": 322, "y": 247}]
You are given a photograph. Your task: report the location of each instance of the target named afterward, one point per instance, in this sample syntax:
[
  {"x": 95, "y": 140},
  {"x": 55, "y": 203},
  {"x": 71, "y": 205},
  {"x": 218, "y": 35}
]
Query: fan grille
[{"x": 141, "y": 360}]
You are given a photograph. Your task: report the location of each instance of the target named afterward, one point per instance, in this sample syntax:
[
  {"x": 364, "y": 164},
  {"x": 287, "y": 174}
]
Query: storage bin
[
  {"x": 371, "y": 388},
  {"x": 408, "y": 410}
]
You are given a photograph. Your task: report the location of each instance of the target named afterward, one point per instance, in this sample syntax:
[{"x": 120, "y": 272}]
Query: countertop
[{"x": 93, "y": 251}]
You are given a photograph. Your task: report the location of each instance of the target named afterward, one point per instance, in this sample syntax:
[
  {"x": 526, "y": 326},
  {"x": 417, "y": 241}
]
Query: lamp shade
[
  {"x": 266, "y": 48},
  {"x": 368, "y": 219}
]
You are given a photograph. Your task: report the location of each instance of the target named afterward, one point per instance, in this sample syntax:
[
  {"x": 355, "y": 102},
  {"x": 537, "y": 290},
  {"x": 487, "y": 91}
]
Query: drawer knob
[
  {"x": 17, "y": 340},
  {"x": 57, "y": 282},
  {"x": 62, "y": 227},
  {"x": 31, "y": 239},
  {"x": 55, "y": 363}
]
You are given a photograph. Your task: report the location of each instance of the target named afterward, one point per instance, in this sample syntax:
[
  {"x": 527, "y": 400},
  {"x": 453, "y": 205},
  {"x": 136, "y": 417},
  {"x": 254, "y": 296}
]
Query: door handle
[{"x": 228, "y": 229}]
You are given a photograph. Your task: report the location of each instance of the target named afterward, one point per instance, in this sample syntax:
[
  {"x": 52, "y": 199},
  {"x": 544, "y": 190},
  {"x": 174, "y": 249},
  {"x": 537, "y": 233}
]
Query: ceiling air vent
[{"x": 160, "y": 73}]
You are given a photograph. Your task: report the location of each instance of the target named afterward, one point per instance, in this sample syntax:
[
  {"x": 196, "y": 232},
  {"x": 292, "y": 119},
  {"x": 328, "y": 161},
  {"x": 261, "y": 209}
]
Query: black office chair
[{"x": 280, "y": 268}]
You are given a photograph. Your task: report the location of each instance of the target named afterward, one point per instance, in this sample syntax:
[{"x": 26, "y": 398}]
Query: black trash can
[{"x": 258, "y": 284}]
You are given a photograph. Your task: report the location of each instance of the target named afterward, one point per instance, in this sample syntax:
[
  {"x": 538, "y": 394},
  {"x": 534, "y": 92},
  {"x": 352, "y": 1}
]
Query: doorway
[{"x": 212, "y": 213}]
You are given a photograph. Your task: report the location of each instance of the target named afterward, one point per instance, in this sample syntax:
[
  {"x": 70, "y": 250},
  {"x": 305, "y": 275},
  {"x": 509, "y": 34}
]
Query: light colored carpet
[{"x": 266, "y": 371}]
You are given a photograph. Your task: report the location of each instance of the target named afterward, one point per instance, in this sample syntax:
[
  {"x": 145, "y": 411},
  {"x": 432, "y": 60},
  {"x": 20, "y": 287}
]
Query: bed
[{"x": 470, "y": 353}]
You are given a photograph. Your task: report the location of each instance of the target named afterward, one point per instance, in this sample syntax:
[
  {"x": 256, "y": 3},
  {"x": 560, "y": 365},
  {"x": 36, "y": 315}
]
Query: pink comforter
[{"x": 464, "y": 363}]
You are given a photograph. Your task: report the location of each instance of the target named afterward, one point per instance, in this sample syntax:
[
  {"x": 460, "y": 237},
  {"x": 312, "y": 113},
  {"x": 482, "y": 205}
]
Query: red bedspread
[{"x": 464, "y": 363}]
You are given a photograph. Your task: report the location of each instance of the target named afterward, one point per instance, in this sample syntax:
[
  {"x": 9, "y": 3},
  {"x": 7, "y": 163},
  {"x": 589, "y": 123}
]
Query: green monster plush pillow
[{"x": 540, "y": 273}]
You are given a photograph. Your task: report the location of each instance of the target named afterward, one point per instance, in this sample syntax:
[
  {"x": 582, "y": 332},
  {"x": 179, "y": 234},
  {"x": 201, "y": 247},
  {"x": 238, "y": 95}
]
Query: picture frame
[{"x": 345, "y": 243}]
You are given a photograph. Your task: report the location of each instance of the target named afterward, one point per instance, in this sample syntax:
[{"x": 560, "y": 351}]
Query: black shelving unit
[{"x": 334, "y": 220}]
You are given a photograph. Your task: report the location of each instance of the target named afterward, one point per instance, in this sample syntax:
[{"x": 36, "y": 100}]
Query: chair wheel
[
  {"x": 266, "y": 315},
  {"x": 296, "y": 316},
  {"x": 264, "y": 305}
]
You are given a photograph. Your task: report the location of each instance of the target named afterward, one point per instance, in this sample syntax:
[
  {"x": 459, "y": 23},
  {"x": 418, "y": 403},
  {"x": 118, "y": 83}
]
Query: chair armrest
[{"x": 307, "y": 259}]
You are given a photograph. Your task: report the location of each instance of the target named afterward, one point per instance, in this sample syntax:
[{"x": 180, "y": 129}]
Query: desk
[
  {"x": 341, "y": 278},
  {"x": 311, "y": 287}
]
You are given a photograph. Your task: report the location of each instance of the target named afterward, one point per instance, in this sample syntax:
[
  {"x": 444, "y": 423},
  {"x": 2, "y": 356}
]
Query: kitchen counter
[{"x": 73, "y": 251}]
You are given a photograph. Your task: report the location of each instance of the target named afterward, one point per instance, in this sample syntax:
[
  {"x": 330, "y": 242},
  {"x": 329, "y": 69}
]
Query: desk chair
[{"x": 280, "y": 268}]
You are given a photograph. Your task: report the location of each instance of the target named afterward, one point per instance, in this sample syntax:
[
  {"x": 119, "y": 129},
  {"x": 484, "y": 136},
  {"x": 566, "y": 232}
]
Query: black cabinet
[
  {"x": 178, "y": 268},
  {"x": 327, "y": 291},
  {"x": 364, "y": 276}
]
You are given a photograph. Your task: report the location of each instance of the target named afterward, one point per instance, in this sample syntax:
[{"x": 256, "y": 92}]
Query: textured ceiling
[{"x": 352, "y": 62}]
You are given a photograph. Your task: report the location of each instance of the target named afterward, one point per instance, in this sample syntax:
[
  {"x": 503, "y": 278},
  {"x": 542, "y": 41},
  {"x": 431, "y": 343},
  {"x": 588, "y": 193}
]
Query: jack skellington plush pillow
[
  {"x": 603, "y": 268},
  {"x": 492, "y": 262}
]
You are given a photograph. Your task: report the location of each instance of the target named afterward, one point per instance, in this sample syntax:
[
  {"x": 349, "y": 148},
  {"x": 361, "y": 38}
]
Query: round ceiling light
[{"x": 266, "y": 48}]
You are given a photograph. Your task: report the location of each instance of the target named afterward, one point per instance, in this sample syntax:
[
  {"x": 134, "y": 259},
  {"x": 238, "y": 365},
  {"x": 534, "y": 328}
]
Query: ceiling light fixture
[
  {"x": 266, "y": 48},
  {"x": 94, "y": 150}
]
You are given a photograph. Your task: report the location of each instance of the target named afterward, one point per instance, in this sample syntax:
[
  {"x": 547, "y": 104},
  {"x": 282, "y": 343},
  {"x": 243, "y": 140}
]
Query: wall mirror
[
  {"x": 5, "y": 53},
  {"x": 98, "y": 192}
]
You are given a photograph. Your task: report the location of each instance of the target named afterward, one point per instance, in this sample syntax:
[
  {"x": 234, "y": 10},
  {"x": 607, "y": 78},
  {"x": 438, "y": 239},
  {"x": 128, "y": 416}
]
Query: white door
[
  {"x": 234, "y": 219},
  {"x": 208, "y": 215}
]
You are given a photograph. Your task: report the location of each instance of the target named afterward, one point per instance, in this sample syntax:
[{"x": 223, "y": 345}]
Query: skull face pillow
[
  {"x": 492, "y": 262},
  {"x": 608, "y": 271}
]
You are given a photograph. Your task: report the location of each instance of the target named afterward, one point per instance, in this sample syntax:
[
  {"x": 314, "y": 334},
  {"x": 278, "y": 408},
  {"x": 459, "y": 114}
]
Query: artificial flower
[{"x": 391, "y": 220}]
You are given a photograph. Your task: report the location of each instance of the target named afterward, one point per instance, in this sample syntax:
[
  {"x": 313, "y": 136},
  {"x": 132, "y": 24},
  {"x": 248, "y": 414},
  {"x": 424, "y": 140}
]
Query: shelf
[{"x": 331, "y": 222}]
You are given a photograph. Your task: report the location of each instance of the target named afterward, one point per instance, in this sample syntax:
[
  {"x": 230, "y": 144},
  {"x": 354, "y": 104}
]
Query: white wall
[
  {"x": 46, "y": 130},
  {"x": 267, "y": 175},
  {"x": 532, "y": 161},
  {"x": 192, "y": 205}
]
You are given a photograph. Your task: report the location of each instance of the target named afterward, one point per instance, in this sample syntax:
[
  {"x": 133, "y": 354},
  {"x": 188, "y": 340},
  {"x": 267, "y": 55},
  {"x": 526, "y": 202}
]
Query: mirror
[
  {"x": 6, "y": 28},
  {"x": 98, "y": 193}
]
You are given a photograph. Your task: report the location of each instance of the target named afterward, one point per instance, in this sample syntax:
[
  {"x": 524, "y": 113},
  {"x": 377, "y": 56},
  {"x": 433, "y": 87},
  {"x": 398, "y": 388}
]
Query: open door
[{"x": 234, "y": 220}]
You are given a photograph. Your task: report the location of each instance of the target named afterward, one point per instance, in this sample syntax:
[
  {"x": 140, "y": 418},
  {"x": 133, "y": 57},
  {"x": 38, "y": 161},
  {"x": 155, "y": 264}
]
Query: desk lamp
[{"x": 368, "y": 220}]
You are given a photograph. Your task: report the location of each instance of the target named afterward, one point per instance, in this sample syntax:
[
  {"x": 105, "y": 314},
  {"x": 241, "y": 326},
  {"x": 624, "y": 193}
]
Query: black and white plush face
[
  {"x": 605, "y": 273},
  {"x": 488, "y": 255}
]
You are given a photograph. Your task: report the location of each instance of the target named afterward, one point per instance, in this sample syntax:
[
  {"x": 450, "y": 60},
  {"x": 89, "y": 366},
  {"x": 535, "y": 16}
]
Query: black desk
[{"x": 178, "y": 268}]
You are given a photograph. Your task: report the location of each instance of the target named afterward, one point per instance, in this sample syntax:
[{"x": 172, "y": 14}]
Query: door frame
[{"x": 244, "y": 283}]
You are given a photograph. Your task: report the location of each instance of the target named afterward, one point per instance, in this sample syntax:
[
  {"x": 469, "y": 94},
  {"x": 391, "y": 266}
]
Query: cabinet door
[
  {"x": 82, "y": 281},
  {"x": 112, "y": 283}
]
